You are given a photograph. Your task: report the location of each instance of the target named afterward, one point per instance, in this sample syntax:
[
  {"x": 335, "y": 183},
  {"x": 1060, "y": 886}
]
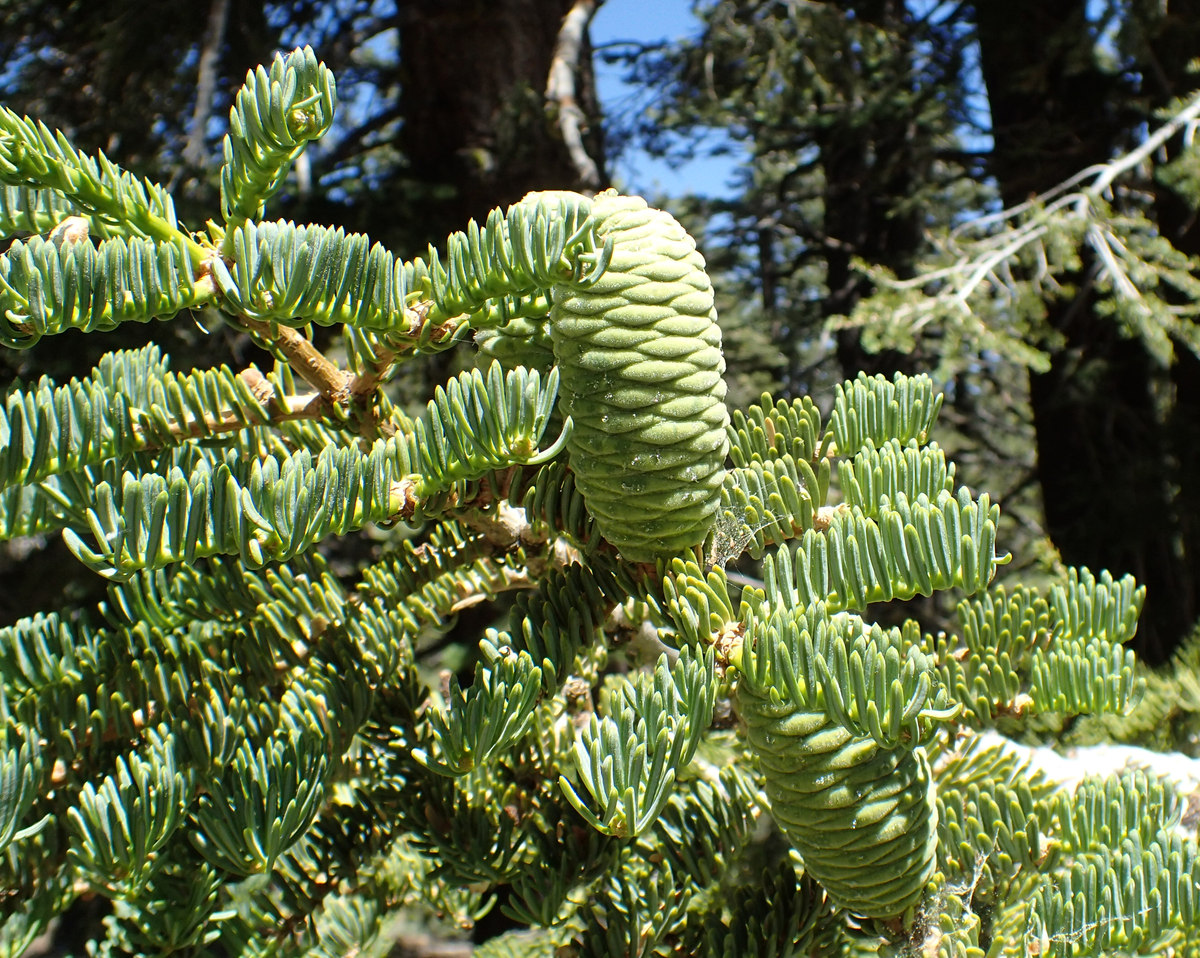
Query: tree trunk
[
  {"x": 1102, "y": 462},
  {"x": 1170, "y": 48},
  {"x": 476, "y": 131},
  {"x": 869, "y": 165}
]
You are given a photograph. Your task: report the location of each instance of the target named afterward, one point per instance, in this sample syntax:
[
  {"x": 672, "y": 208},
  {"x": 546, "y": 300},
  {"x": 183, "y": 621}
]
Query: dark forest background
[{"x": 870, "y": 131}]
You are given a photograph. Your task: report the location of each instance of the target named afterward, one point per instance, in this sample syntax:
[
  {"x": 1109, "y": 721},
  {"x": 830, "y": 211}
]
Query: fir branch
[
  {"x": 132, "y": 403},
  {"x": 29, "y": 209},
  {"x": 482, "y": 423},
  {"x": 175, "y": 909},
  {"x": 554, "y": 506},
  {"x": 872, "y": 409},
  {"x": 489, "y": 717},
  {"x": 766, "y": 503},
  {"x": 46, "y": 288},
  {"x": 876, "y": 475},
  {"x": 120, "y": 826},
  {"x": 1025, "y": 651},
  {"x": 283, "y": 273},
  {"x": 275, "y": 116},
  {"x": 29, "y": 511},
  {"x": 303, "y": 357},
  {"x": 628, "y": 762},
  {"x": 704, "y": 824},
  {"x": 560, "y": 618},
  {"x": 635, "y": 908},
  {"x": 474, "y": 844},
  {"x": 20, "y": 775},
  {"x": 778, "y": 915},
  {"x": 773, "y": 429},
  {"x": 913, "y": 548},
  {"x": 277, "y": 505},
  {"x": 1133, "y": 878},
  {"x": 31, "y": 155},
  {"x": 267, "y": 509},
  {"x": 699, "y": 604},
  {"x": 423, "y": 585},
  {"x": 545, "y": 239},
  {"x": 372, "y": 356},
  {"x": 869, "y": 681},
  {"x": 267, "y": 798}
]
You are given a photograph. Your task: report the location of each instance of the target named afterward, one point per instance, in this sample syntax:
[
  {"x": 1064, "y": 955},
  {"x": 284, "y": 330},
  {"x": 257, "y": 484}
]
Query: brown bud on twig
[{"x": 74, "y": 229}]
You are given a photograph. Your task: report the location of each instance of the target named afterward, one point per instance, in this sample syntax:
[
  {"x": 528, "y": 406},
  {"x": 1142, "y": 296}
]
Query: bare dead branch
[
  {"x": 561, "y": 92},
  {"x": 206, "y": 82}
]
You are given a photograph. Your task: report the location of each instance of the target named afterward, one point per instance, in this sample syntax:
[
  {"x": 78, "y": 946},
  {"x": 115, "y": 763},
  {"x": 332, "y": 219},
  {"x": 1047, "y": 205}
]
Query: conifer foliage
[{"x": 245, "y": 749}]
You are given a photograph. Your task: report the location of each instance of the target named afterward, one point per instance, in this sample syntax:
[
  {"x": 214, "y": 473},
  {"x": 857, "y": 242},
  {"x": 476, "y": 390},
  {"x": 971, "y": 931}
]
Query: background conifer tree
[{"x": 877, "y": 135}]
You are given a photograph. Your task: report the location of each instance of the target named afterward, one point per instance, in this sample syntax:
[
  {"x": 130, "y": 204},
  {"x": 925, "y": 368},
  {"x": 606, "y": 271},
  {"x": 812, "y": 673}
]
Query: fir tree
[{"x": 247, "y": 750}]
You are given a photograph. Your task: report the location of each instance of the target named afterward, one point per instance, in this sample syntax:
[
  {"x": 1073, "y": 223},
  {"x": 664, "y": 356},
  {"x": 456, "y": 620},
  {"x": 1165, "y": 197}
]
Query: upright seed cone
[{"x": 642, "y": 377}]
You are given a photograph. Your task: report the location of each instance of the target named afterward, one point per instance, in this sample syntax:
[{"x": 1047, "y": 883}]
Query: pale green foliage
[
  {"x": 1009, "y": 634},
  {"x": 493, "y": 714},
  {"x": 48, "y": 288},
  {"x": 30, "y": 210},
  {"x": 627, "y": 760},
  {"x": 247, "y": 750},
  {"x": 54, "y": 177},
  {"x": 276, "y": 114},
  {"x": 120, "y": 826}
]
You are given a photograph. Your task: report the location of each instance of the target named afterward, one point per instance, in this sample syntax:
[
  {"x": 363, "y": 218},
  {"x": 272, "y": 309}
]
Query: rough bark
[{"x": 1102, "y": 462}]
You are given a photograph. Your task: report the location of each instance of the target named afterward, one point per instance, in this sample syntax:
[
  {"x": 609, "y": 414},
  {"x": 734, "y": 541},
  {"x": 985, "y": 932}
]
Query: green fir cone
[
  {"x": 639, "y": 354},
  {"x": 863, "y": 817}
]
